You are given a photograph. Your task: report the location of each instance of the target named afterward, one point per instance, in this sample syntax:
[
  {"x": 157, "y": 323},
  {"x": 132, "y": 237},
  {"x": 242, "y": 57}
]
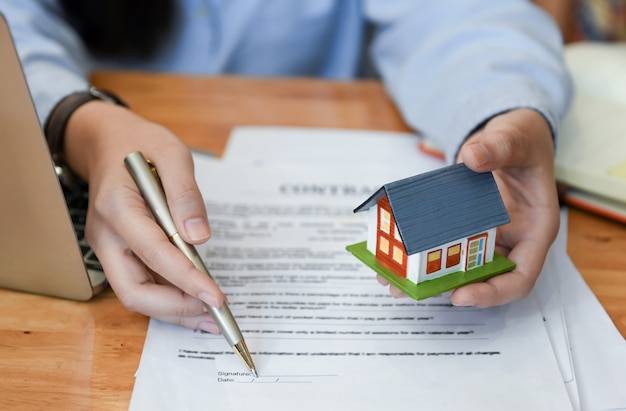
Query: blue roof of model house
[{"x": 442, "y": 205}]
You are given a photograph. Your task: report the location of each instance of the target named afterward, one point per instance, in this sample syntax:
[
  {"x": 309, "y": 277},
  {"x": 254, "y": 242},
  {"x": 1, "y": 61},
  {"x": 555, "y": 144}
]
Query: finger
[
  {"x": 382, "y": 280},
  {"x": 183, "y": 196},
  {"x": 142, "y": 235},
  {"x": 393, "y": 290},
  {"x": 139, "y": 291},
  {"x": 396, "y": 292},
  {"x": 493, "y": 149},
  {"x": 507, "y": 287},
  {"x": 202, "y": 322},
  {"x": 515, "y": 138}
]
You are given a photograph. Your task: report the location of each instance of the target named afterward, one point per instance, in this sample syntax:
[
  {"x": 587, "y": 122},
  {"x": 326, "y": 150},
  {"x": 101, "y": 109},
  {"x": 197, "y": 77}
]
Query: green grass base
[{"x": 436, "y": 286}]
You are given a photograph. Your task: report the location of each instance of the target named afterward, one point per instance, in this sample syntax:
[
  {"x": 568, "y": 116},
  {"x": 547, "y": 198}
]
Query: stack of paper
[
  {"x": 591, "y": 150},
  {"x": 325, "y": 335}
]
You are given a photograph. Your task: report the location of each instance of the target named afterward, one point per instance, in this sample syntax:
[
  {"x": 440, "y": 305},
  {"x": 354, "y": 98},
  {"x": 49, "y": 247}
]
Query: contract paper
[{"x": 323, "y": 333}]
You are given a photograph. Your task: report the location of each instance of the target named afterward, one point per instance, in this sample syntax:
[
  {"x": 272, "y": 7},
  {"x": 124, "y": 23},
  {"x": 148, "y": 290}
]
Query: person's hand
[
  {"x": 517, "y": 147},
  {"x": 148, "y": 274}
]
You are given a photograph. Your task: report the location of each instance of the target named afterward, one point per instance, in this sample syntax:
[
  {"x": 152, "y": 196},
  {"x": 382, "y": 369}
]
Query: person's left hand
[{"x": 517, "y": 147}]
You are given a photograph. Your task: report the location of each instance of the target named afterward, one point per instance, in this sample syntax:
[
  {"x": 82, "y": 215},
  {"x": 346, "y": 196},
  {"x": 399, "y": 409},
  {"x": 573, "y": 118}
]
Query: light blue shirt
[{"x": 449, "y": 65}]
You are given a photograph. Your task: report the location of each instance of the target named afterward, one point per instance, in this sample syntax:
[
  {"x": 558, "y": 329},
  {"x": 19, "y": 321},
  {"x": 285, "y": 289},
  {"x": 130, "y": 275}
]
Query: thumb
[
  {"x": 184, "y": 198},
  {"x": 491, "y": 149},
  {"x": 514, "y": 138}
]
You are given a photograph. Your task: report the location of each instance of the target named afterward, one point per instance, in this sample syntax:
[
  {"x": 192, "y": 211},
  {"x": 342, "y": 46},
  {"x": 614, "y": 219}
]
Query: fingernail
[
  {"x": 482, "y": 155},
  {"x": 460, "y": 302},
  {"x": 210, "y": 300},
  {"x": 197, "y": 229},
  {"x": 209, "y": 327}
]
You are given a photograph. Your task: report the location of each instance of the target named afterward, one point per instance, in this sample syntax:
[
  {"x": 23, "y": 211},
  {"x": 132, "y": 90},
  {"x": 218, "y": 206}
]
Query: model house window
[
  {"x": 476, "y": 251},
  {"x": 454, "y": 256},
  {"x": 398, "y": 254},
  {"x": 383, "y": 244},
  {"x": 396, "y": 233},
  {"x": 389, "y": 248},
  {"x": 433, "y": 262},
  {"x": 385, "y": 221}
]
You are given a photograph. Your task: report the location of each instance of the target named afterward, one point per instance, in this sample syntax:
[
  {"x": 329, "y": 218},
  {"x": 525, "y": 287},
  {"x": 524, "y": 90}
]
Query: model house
[{"x": 433, "y": 225}]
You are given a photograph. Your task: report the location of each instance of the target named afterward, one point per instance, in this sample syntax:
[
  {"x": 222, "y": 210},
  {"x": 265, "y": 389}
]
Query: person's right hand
[
  {"x": 148, "y": 274},
  {"x": 517, "y": 147}
]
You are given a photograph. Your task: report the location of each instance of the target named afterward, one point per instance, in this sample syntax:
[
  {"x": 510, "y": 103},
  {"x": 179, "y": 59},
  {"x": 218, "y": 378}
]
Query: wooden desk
[{"x": 57, "y": 354}]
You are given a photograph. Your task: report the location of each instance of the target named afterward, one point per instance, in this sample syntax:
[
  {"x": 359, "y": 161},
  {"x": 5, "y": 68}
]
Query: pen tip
[{"x": 242, "y": 350}]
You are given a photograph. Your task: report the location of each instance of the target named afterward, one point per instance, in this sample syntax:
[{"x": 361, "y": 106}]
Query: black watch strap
[{"x": 56, "y": 123}]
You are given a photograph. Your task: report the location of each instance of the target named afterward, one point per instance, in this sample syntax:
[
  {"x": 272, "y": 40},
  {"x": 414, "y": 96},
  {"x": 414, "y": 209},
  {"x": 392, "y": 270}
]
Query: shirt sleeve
[
  {"x": 451, "y": 66},
  {"x": 52, "y": 55}
]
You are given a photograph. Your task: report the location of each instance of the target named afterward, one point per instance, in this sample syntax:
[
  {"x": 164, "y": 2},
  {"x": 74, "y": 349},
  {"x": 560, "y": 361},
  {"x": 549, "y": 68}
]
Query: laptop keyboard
[
  {"x": 76, "y": 198},
  {"x": 78, "y": 213}
]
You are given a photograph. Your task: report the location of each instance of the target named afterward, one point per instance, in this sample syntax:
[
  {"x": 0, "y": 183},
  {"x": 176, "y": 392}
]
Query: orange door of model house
[
  {"x": 476, "y": 247},
  {"x": 389, "y": 248}
]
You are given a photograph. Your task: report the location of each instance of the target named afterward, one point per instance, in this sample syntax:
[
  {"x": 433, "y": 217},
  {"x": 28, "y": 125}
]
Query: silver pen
[{"x": 149, "y": 184}]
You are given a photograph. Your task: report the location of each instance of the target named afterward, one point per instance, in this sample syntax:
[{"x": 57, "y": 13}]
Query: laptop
[
  {"x": 591, "y": 150},
  {"x": 41, "y": 248}
]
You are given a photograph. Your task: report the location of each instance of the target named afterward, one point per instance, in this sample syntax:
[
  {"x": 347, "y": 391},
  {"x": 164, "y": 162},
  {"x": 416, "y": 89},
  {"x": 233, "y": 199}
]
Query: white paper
[
  {"x": 323, "y": 333},
  {"x": 590, "y": 350},
  {"x": 598, "y": 349},
  {"x": 549, "y": 296}
]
